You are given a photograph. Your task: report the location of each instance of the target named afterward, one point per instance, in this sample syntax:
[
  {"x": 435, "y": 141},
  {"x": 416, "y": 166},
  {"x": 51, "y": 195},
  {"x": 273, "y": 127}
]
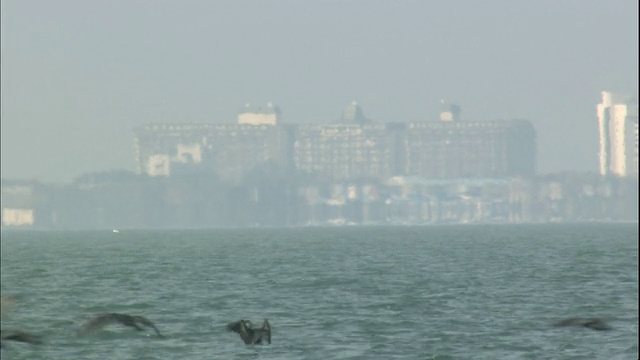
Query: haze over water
[{"x": 440, "y": 292}]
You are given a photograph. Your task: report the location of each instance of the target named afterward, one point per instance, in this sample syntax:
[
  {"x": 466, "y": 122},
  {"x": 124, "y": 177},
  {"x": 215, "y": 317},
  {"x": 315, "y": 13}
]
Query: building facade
[
  {"x": 230, "y": 150},
  {"x": 618, "y": 135},
  {"x": 463, "y": 149},
  {"x": 24, "y": 204},
  {"x": 343, "y": 152},
  {"x": 355, "y": 149}
]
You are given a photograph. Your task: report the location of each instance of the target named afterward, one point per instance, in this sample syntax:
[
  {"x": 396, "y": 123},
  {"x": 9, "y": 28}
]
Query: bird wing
[
  {"x": 21, "y": 336},
  {"x": 266, "y": 328},
  {"x": 144, "y": 321},
  {"x": 98, "y": 322},
  {"x": 246, "y": 334}
]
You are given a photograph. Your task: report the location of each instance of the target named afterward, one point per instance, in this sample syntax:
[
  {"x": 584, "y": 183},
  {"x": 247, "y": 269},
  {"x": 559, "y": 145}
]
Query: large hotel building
[
  {"x": 618, "y": 130},
  {"x": 353, "y": 149}
]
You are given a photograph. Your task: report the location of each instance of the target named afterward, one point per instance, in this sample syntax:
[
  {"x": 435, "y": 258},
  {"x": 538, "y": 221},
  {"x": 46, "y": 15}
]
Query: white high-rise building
[{"x": 618, "y": 130}]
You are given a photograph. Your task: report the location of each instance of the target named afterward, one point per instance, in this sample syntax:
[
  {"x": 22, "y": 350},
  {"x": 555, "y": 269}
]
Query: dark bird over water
[
  {"x": 248, "y": 334},
  {"x": 134, "y": 321},
  {"x": 591, "y": 323},
  {"x": 19, "y": 336}
]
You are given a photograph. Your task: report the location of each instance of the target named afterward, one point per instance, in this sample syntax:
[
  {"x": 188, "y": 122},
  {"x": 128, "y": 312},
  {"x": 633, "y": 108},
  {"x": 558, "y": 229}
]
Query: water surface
[{"x": 438, "y": 292}]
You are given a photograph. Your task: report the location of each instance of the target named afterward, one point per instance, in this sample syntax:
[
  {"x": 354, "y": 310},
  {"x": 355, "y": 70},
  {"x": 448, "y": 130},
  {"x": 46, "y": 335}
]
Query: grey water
[{"x": 436, "y": 292}]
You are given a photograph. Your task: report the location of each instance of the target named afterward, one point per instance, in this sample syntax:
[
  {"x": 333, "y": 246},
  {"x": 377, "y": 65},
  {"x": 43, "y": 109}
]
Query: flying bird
[
  {"x": 248, "y": 334},
  {"x": 135, "y": 321}
]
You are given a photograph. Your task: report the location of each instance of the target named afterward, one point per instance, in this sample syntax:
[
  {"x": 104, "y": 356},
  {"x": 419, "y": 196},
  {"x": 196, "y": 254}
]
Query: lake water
[{"x": 440, "y": 292}]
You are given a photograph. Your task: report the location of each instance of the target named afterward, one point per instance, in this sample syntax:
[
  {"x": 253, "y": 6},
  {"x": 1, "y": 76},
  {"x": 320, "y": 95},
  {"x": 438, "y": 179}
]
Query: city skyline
[
  {"x": 240, "y": 118},
  {"x": 74, "y": 85},
  {"x": 352, "y": 149}
]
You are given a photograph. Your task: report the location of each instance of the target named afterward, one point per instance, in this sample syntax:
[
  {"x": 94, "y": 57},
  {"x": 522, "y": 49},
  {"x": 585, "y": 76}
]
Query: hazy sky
[{"x": 77, "y": 76}]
